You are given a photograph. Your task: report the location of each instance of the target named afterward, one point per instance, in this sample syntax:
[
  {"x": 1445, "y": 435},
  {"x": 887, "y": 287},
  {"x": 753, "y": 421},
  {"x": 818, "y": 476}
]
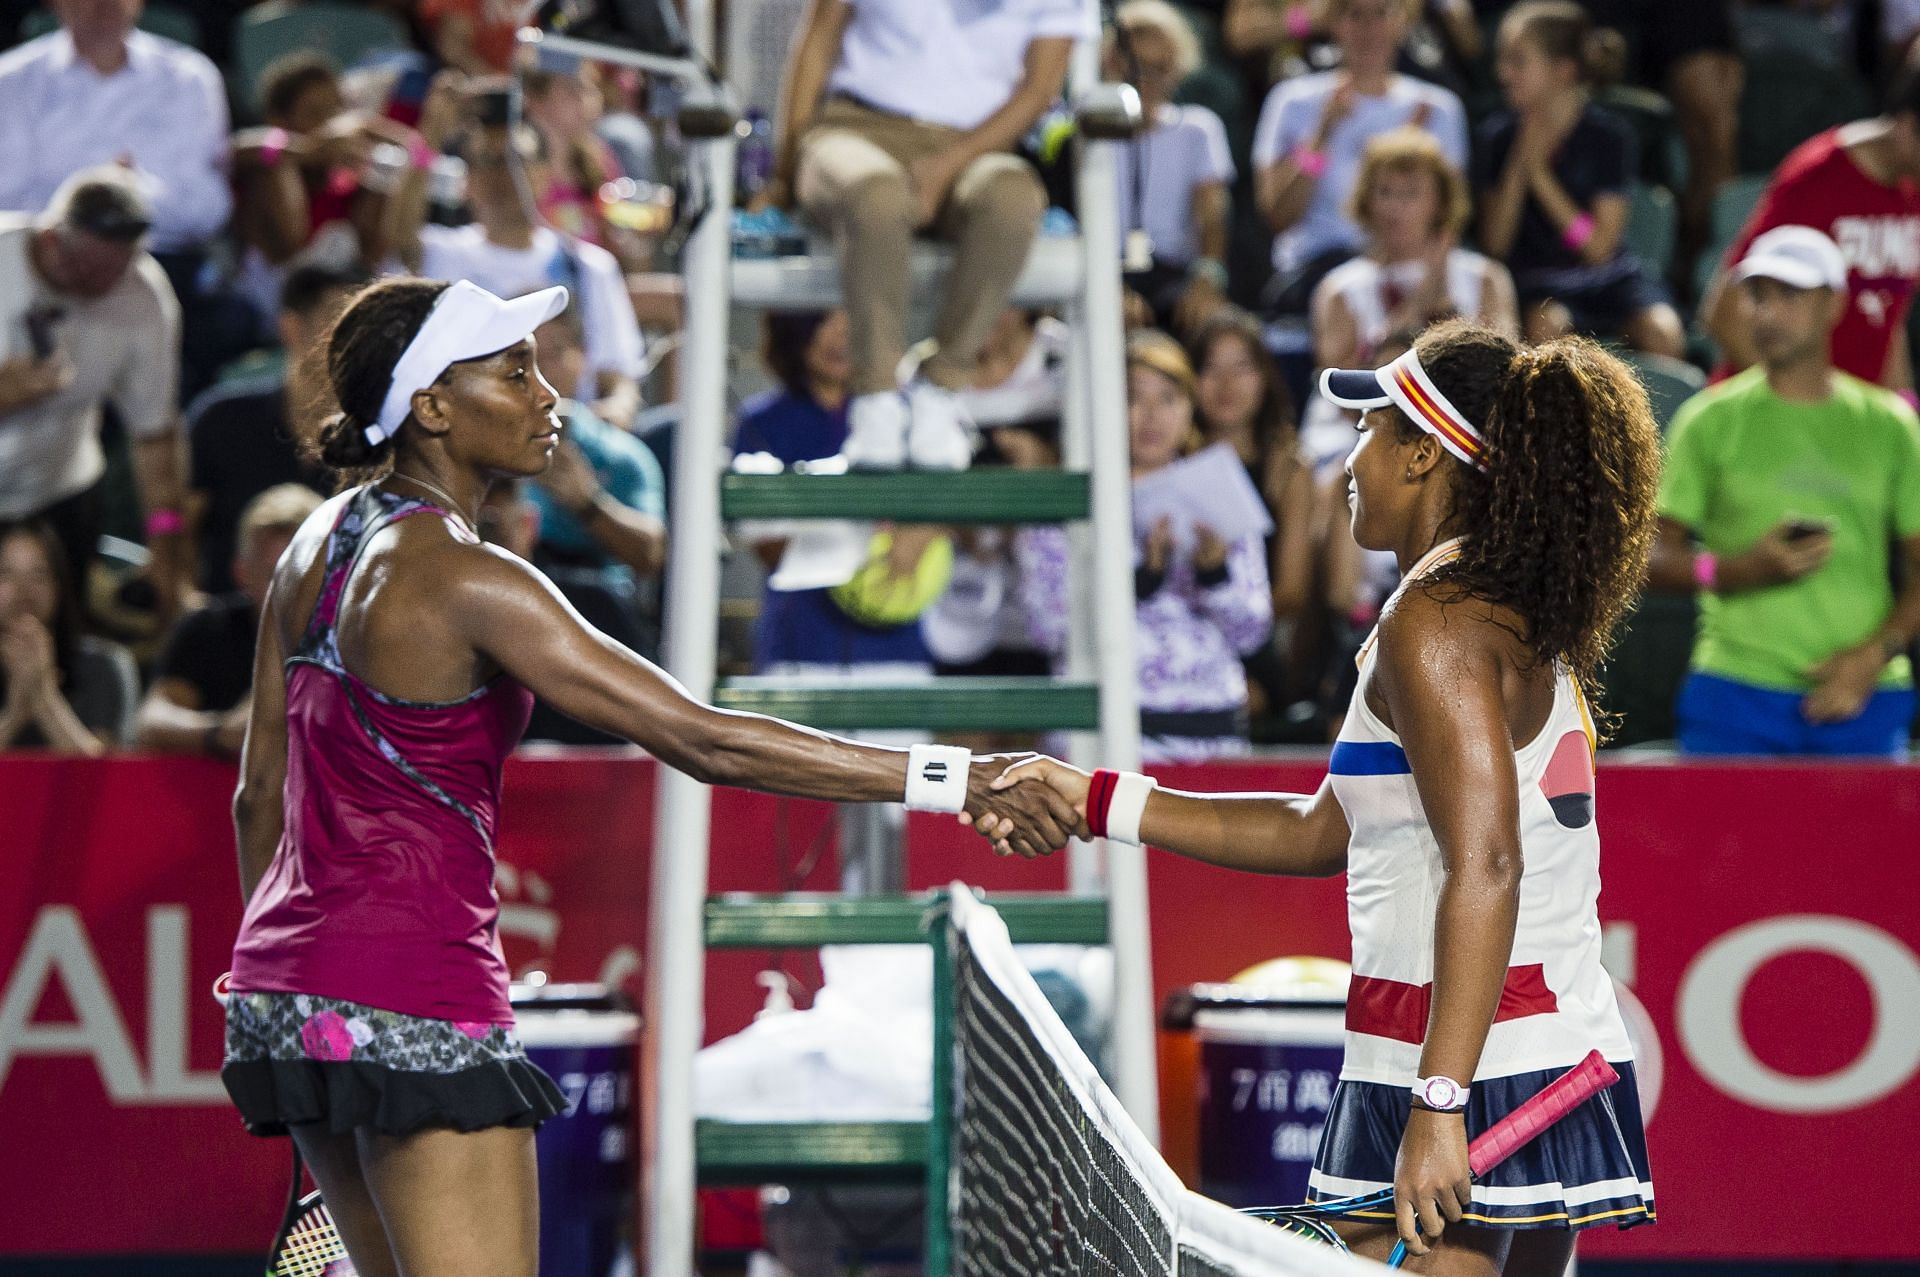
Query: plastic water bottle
[{"x": 755, "y": 162}]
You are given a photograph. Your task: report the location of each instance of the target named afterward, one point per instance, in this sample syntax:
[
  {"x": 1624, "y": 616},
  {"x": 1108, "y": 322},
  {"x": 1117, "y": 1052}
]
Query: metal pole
[
  {"x": 1086, "y": 867},
  {"x": 676, "y": 969},
  {"x": 1112, "y": 575},
  {"x": 700, "y": 26}
]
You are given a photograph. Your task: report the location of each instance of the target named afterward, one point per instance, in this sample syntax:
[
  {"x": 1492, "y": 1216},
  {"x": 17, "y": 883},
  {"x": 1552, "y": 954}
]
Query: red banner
[{"x": 1763, "y": 916}]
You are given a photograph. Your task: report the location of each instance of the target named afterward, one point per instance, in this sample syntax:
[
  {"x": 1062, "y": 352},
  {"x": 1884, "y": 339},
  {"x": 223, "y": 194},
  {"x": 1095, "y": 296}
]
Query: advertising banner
[{"x": 1762, "y": 917}]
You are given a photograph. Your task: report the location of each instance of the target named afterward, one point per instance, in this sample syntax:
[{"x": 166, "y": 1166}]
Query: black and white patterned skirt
[{"x": 297, "y": 1058}]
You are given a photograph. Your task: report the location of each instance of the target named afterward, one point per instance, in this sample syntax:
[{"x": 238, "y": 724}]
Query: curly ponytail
[
  {"x": 1562, "y": 520},
  {"x": 361, "y": 350}
]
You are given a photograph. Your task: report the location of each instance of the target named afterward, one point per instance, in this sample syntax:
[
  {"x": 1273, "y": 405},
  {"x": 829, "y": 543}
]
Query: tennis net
[{"x": 1049, "y": 1175}]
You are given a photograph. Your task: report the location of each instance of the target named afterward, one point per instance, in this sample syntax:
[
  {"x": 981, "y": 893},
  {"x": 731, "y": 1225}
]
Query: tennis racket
[
  {"x": 1493, "y": 1146},
  {"x": 306, "y": 1244}
]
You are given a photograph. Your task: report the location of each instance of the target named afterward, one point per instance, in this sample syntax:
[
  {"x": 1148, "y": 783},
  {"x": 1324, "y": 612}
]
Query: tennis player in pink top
[{"x": 398, "y": 659}]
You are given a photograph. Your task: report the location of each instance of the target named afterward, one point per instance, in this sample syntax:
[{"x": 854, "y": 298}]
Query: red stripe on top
[{"x": 1392, "y": 1009}]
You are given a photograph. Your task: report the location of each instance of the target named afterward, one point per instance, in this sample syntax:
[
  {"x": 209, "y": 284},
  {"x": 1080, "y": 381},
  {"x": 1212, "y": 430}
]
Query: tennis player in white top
[{"x": 1516, "y": 488}]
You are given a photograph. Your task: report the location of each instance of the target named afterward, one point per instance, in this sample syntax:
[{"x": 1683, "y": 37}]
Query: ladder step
[
  {"x": 1050, "y": 277},
  {"x": 958, "y": 704},
  {"x": 976, "y": 496},
  {"x": 807, "y": 921},
  {"x": 782, "y": 1152}
]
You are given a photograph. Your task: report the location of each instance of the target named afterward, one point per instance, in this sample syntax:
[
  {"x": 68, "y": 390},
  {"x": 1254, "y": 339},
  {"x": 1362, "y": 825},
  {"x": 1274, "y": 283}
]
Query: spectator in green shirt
[{"x": 1787, "y": 489}]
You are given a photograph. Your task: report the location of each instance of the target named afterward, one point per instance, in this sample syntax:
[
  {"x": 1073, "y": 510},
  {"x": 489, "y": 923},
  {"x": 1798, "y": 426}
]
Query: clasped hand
[{"x": 1026, "y": 804}]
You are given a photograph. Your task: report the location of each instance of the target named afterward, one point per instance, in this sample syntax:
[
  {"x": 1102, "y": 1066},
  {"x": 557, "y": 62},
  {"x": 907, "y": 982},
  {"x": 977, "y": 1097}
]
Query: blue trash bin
[
  {"x": 587, "y": 1039},
  {"x": 1269, "y": 1058}
]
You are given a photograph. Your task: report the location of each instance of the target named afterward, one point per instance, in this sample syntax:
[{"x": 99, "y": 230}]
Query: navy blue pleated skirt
[{"x": 1587, "y": 1169}]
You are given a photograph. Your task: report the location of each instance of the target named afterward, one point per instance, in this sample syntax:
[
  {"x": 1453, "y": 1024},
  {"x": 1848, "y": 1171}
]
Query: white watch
[{"x": 1440, "y": 1094}]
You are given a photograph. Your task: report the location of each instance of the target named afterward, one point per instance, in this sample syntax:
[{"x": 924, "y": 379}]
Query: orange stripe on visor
[
  {"x": 1432, "y": 413},
  {"x": 1406, "y": 384}
]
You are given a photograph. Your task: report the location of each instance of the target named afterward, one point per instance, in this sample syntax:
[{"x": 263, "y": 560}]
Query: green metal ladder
[
  {"x": 888, "y": 1152},
  {"x": 1100, "y": 695}
]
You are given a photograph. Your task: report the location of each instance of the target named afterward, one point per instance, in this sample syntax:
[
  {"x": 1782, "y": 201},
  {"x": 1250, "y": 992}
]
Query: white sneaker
[
  {"x": 939, "y": 436},
  {"x": 876, "y": 432}
]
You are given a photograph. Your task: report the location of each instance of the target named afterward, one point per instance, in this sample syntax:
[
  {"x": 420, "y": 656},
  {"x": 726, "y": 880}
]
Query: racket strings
[
  {"x": 1310, "y": 1219},
  {"x": 312, "y": 1249}
]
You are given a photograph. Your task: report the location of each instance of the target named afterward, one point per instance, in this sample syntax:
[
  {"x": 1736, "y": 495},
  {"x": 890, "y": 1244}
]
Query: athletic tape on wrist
[
  {"x": 937, "y": 778},
  {"x": 1127, "y": 804}
]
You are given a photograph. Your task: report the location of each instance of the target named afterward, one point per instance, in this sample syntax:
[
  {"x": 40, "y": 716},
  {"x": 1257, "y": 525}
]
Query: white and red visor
[{"x": 1405, "y": 384}]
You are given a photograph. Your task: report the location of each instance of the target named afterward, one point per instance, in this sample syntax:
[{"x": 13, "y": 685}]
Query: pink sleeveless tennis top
[{"x": 381, "y": 891}]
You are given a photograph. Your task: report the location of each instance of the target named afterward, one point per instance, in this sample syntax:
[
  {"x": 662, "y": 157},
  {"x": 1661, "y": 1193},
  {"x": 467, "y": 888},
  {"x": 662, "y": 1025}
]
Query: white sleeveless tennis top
[
  {"x": 1558, "y": 1003},
  {"x": 1363, "y": 283}
]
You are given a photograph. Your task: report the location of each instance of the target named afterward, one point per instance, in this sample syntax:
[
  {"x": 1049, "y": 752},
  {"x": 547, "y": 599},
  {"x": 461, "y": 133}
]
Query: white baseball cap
[
  {"x": 466, "y": 322},
  {"x": 1797, "y": 256}
]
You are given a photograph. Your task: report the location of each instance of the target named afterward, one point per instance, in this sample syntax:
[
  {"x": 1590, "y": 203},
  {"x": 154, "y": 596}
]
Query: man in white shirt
[
  {"x": 1314, "y": 129},
  {"x": 509, "y": 252},
  {"x": 87, "y": 319},
  {"x": 97, "y": 91},
  {"x": 901, "y": 115}
]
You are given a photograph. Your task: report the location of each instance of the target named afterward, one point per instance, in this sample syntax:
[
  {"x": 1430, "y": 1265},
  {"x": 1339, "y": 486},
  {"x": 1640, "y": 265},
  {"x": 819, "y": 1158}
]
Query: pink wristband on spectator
[
  {"x": 1578, "y": 232},
  {"x": 1311, "y": 162},
  {"x": 1706, "y": 571},
  {"x": 274, "y": 145},
  {"x": 1299, "y": 21},
  {"x": 165, "y": 523},
  {"x": 419, "y": 154}
]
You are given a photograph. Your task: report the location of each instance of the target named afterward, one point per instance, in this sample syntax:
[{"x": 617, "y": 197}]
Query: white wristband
[
  {"x": 937, "y": 778},
  {"x": 1128, "y": 804}
]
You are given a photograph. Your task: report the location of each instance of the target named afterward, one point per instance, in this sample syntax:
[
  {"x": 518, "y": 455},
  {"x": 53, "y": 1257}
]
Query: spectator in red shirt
[
  {"x": 475, "y": 36},
  {"x": 1859, "y": 184}
]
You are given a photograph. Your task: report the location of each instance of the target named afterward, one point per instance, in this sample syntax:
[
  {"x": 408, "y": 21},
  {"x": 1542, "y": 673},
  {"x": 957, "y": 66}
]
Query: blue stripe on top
[{"x": 1368, "y": 758}]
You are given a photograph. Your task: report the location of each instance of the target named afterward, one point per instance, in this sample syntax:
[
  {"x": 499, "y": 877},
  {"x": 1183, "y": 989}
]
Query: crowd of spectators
[{"x": 1314, "y": 182}]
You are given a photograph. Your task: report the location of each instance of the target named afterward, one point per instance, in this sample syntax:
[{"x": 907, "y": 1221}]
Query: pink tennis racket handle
[{"x": 1557, "y": 1099}]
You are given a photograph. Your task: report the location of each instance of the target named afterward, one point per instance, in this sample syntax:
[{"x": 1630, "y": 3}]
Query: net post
[{"x": 939, "y": 1252}]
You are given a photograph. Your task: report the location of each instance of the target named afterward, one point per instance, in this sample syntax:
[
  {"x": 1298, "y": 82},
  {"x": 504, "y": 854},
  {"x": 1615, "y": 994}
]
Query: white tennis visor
[
  {"x": 466, "y": 322},
  {"x": 1405, "y": 384}
]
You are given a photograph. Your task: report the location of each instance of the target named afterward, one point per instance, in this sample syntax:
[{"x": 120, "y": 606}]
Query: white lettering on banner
[
  {"x": 1707, "y": 1012},
  {"x": 1296, "y": 1141},
  {"x": 169, "y": 1081},
  {"x": 58, "y": 944},
  {"x": 1313, "y": 1091}
]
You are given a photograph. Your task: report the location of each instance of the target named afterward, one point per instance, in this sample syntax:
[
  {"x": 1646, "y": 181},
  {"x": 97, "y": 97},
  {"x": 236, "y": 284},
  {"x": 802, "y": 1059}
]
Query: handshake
[{"x": 1026, "y": 804}]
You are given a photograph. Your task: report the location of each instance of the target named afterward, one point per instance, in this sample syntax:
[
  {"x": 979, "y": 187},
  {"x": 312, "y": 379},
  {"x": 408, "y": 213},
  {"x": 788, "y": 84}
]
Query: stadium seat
[
  {"x": 1644, "y": 673},
  {"x": 1663, "y": 160},
  {"x": 345, "y": 32},
  {"x": 1652, "y": 226},
  {"x": 1732, "y": 204},
  {"x": 1790, "y": 96},
  {"x": 1669, "y": 382},
  {"x": 156, "y": 19},
  {"x": 1769, "y": 28}
]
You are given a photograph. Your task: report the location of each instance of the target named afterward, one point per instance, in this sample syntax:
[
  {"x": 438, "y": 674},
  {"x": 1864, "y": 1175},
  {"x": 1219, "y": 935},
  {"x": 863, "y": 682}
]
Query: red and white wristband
[{"x": 1115, "y": 803}]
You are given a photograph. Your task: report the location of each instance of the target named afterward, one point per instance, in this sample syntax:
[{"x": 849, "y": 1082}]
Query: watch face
[{"x": 1441, "y": 1093}]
